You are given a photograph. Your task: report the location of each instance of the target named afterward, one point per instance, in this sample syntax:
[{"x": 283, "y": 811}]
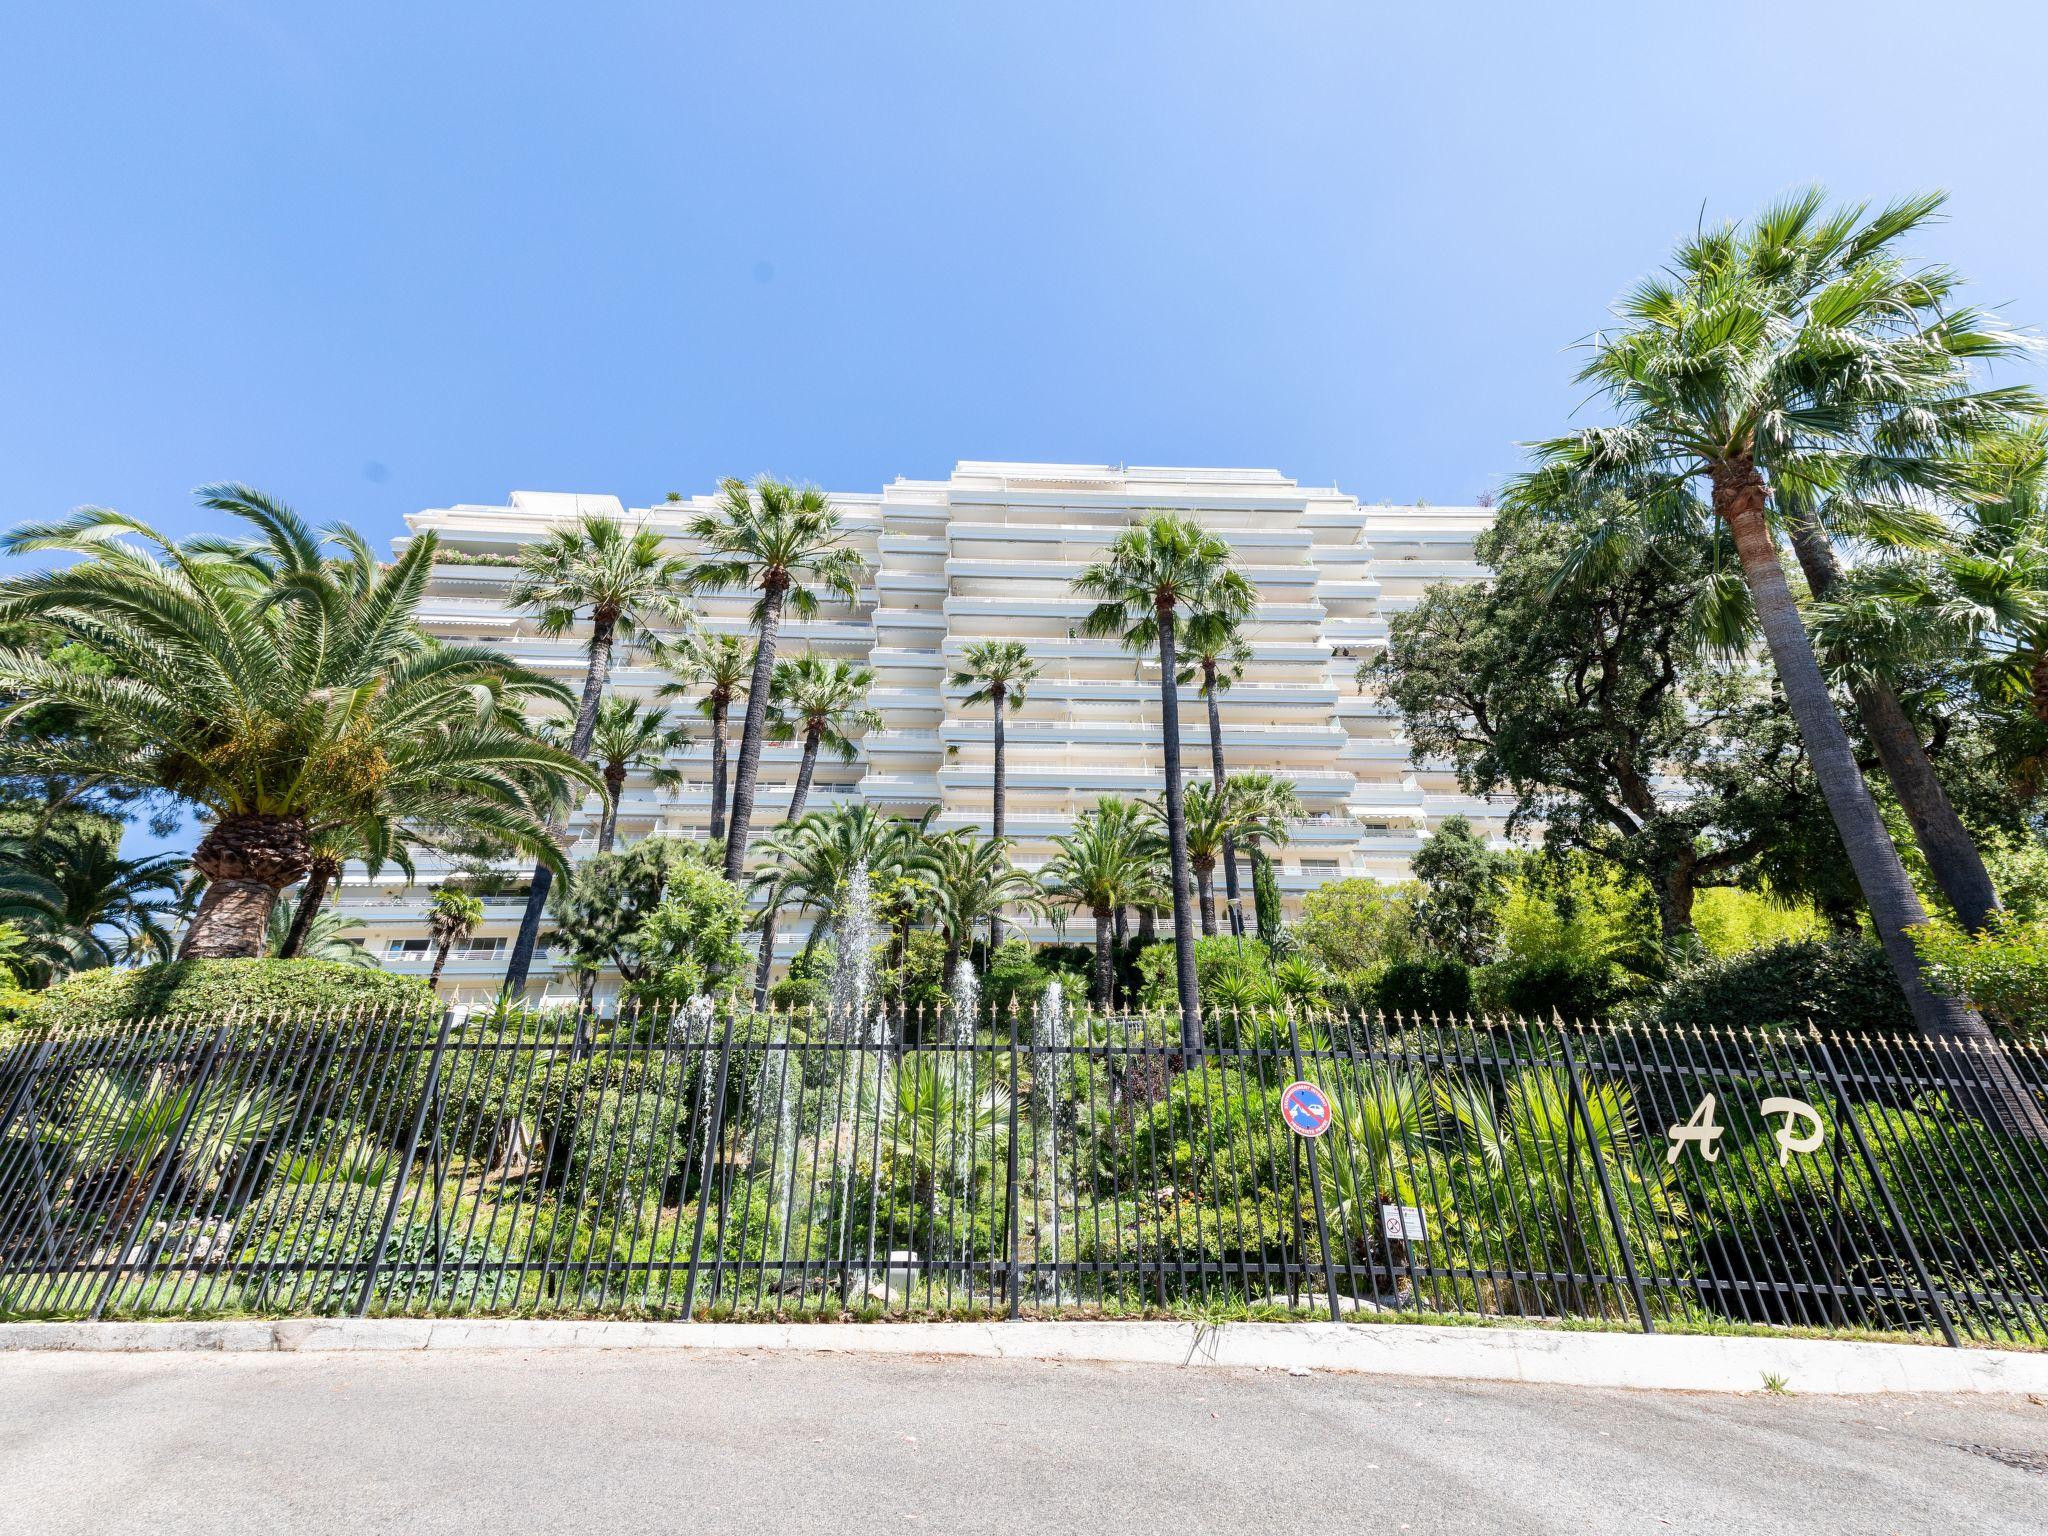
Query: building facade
[{"x": 991, "y": 552}]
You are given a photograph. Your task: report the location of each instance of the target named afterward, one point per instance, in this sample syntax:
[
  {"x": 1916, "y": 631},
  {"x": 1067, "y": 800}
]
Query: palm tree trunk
[
  {"x": 247, "y": 860},
  {"x": 1739, "y": 498},
  {"x": 1177, "y": 841},
  {"x": 1951, "y": 853},
  {"x": 752, "y": 734},
  {"x": 1001, "y": 789},
  {"x": 440, "y": 959},
  {"x": 1104, "y": 971},
  {"x": 311, "y": 894},
  {"x": 596, "y": 674},
  {"x": 766, "y": 963},
  {"x": 614, "y": 786},
  {"x": 1205, "y": 888},
  {"x": 718, "y": 709},
  {"x": 1216, "y": 776}
]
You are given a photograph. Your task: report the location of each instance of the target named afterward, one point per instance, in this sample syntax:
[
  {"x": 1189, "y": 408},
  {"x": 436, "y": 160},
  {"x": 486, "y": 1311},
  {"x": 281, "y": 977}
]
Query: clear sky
[{"x": 374, "y": 257}]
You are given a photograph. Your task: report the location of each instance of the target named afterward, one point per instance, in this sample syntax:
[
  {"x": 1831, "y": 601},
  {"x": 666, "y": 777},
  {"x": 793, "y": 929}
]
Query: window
[
  {"x": 406, "y": 949},
  {"x": 1319, "y": 866}
]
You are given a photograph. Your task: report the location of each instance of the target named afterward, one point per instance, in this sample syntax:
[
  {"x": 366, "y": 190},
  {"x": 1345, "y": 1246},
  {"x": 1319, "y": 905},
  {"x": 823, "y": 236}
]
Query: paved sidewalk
[{"x": 620, "y": 1442}]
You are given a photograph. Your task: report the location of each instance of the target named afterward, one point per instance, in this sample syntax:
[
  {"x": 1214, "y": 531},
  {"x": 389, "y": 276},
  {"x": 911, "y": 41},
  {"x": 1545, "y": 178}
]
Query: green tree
[
  {"x": 689, "y": 945},
  {"x": 1360, "y": 924},
  {"x": 1209, "y": 817},
  {"x": 631, "y": 737},
  {"x": 1106, "y": 862},
  {"x": 1462, "y": 891},
  {"x": 819, "y": 700},
  {"x": 452, "y": 916},
  {"x": 1154, "y": 575},
  {"x": 1730, "y": 374},
  {"x": 1582, "y": 689},
  {"x": 81, "y": 905},
  {"x": 1265, "y": 807},
  {"x": 278, "y": 688},
  {"x": 1216, "y": 654},
  {"x": 998, "y": 673},
  {"x": 720, "y": 665},
  {"x": 785, "y": 543},
  {"x": 598, "y": 913},
  {"x": 974, "y": 880},
  {"x": 621, "y": 581}
]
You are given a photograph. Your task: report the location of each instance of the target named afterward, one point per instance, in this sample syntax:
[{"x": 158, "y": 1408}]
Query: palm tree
[
  {"x": 80, "y": 905},
  {"x": 1727, "y": 373},
  {"x": 623, "y": 582},
  {"x": 786, "y": 543},
  {"x": 329, "y": 935},
  {"x": 720, "y": 665},
  {"x": 975, "y": 880},
  {"x": 1154, "y": 574},
  {"x": 1264, "y": 805},
  {"x": 1216, "y": 656},
  {"x": 631, "y": 737},
  {"x": 818, "y": 698},
  {"x": 1105, "y": 863},
  {"x": 1207, "y": 814},
  {"x": 807, "y": 862},
  {"x": 453, "y": 915},
  {"x": 997, "y": 673},
  {"x": 277, "y": 688}
]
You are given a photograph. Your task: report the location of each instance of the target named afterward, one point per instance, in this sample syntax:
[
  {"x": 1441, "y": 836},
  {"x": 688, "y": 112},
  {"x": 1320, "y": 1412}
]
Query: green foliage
[
  {"x": 1843, "y": 983},
  {"x": 1014, "y": 976},
  {"x": 1442, "y": 987},
  {"x": 1461, "y": 891},
  {"x": 1359, "y": 924},
  {"x": 1730, "y": 921},
  {"x": 598, "y": 913},
  {"x": 2003, "y": 970},
  {"x": 205, "y": 989},
  {"x": 690, "y": 944}
]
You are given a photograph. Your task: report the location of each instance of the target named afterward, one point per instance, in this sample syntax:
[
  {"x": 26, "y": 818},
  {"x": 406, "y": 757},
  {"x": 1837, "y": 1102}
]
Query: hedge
[{"x": 209, "y": 988}]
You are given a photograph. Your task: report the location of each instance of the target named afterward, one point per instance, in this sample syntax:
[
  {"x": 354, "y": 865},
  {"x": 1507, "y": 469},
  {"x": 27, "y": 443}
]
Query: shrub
[
  {"x": 1358, "y": 924},
  {"x": 2003, "y": 970},
  {"x": 213, "y": 988},
  {"x": 1441, "y": 987},
  {"x": 1014, "y": 977},
  {"x": 1539, "y": 988},
  {"x": 1845, "y": 983}
]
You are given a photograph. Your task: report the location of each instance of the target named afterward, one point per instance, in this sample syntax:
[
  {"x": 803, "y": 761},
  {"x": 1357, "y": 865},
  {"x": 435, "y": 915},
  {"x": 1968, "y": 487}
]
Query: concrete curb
[{"x": 1665, "y": 1361}]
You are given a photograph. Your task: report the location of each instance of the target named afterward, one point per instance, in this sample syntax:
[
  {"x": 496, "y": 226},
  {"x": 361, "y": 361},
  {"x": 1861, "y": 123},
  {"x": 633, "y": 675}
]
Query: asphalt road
[{"x": 485, "y": 1444}]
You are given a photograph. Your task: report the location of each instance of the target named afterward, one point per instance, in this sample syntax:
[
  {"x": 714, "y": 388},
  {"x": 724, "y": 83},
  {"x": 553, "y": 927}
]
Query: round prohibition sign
[{"x": 1306, "y": 1109}]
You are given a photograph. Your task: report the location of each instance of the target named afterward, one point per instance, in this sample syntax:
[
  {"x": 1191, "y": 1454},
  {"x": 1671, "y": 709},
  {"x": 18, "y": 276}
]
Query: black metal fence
[{"x": 712, "y": 1164}]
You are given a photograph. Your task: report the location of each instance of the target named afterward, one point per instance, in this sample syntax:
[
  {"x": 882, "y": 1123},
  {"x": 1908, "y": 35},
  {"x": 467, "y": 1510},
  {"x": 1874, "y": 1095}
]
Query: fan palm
[
  {"x": 622, "y": 581},
  {"x": 1216, "y": 655},
  {"x": 1155, "y": 575},
  {"x": 1728, "y": 373},
  {"x": 631, "y": 737},
  {"x": 279, "y": 688},
  {"x": 819, "y": 699},
  {"x": 997, "y": 673},
  {"x": 719, "y": 665},
  {"x": 452, "y": 916},
  {"x": 1106, "y": 862},
  {"x": 786, "y": 543}
]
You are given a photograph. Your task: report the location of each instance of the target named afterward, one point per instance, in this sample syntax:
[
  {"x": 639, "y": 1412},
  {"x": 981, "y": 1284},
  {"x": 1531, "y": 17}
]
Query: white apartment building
[{"x": 991, "y": 552}]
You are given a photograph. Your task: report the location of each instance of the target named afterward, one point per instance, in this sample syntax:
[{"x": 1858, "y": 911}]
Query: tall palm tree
[
  {"x": 1264, "y": 805},
  {"x": 997, "y": 673},
  {"x": 785, "y": 543},
  {"x": 1724, "y": 373},
  {"x": 453, "y": 915},
  {"x": 1217, "y": 654},
  {"x": 276, "y": 686},
  {"x": 720, "y": 665},
  {"x": 82, "y": 905},
  {"x": 1105, "y": 863},
  {"x": 818, "y": 699},
  {"x": 621, "y": 581},
  {"x": 631, "y": 737},
  {"x": 1155, "y": 573}
]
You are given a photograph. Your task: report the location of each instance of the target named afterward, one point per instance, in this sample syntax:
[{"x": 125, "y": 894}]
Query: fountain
[
  {"x": 966, "y": 992},
  {"x": 853, "y": 959},
  {"x": 1048, "y": 1037}
]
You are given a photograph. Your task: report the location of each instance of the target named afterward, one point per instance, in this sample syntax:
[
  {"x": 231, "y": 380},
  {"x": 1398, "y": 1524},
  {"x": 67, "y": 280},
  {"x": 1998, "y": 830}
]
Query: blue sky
[{"x": 375, "y": 257}]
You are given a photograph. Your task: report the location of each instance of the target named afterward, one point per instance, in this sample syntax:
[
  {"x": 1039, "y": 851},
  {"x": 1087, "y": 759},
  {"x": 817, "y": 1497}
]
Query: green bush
[
  {"x": 206, "y": 989},
  {"x": 1843, "y": 983},
  {"x": 1540, "y": 988},
  {"x": 2003, "y": 970},
  {"x": 1441, "y": 987}
]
